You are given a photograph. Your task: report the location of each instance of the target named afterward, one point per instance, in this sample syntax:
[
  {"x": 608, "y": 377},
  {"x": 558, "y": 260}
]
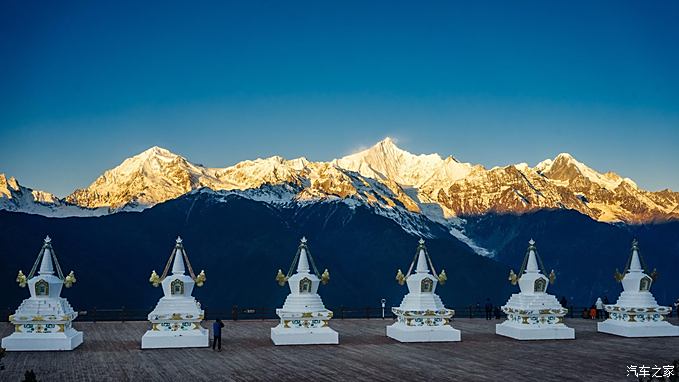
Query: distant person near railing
[
  {"x": 599, "y": 308},
  {"x": 489, "y": 309}
]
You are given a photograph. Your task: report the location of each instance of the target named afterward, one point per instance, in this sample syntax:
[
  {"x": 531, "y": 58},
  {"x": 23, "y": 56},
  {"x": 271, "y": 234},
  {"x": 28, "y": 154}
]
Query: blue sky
[{"x": 84, "y": 85}]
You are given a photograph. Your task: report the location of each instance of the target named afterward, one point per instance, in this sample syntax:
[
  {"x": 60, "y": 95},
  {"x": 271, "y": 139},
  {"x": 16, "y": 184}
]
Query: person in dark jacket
[
  {"x": 489, "y": 309},
  {"x": 217, "y": 334}
]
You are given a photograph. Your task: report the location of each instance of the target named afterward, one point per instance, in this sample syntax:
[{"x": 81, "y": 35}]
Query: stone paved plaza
[{"x": 111, "y": 352}]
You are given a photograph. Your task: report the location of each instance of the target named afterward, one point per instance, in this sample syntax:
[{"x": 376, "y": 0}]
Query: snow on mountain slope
[{"x": 255, "y": 173}]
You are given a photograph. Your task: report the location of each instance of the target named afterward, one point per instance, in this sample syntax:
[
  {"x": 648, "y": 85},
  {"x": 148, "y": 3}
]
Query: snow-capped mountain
[
  {"x": 461, "y": 189},
  {"x": 608, "y": 196},
  {"x": 390, "y": 179},
  {"x": 15, "y": 197},
  {"x": 157, "y": 175},
  {"x": 386, "y": 161},
  {"x": 151, "y": 177}
]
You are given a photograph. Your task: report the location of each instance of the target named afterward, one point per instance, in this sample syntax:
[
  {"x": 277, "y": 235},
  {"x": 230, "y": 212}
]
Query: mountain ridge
[{"x": 442, "y": 189}]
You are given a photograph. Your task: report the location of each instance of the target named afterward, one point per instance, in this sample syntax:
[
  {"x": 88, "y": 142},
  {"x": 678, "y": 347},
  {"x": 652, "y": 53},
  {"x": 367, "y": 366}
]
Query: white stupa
[
  {"x": 304, "y": 318},
  {"x": 44, "y": 320},
  {"x": 177, "y": 317},
  {"x": 532, "y": 314},
  {"x": 421, "y": 317},
  {"x": 636, "y": 313}
]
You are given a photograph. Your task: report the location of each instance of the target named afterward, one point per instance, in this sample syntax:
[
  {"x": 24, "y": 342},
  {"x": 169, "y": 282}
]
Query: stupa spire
[
  {"x": 303, "y": 263},
  {"x": 178, "y": 267},
  {"x": 46, "y": 265},
  {"x": 635, "y": 263},
  {"x": 532, "y": 263},
  {"x": 422, "y": 266}
]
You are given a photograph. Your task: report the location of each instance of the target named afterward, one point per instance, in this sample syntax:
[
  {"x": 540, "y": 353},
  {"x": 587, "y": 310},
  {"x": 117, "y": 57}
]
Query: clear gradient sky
[{"x": 84, "y": 85}]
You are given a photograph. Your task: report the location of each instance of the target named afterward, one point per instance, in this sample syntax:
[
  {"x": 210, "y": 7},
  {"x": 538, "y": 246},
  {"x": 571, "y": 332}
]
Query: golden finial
[
  {"x": 280, "y": 278},
  {"x": 400, "y": 277},
  {"x": 69, "y": 280},
  {"x": 200, "y": 279},
  {"x": 513, "y": 278},
  {"x": 443, "y": 277},
  {"x": 552, "y": 277},
  {"x": 618, "y": 276},
  {"x": 325, "y": 276},
  {"x": 21, "y": 279},
  {"x": 154, "y": 279}
]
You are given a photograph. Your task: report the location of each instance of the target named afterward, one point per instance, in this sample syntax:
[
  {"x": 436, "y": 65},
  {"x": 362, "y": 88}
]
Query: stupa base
[
  {"x": 154, "y": 339},
  {"x": 639, "y": 329},
  {"x": 535, "y": 331},
  {"x": 404, "y": 333},
  {"x": 68, "y": 340},
  {"x": 297, "y": 336}
]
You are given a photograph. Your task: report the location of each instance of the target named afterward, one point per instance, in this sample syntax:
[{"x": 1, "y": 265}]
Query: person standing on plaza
[
  {"x": 217, "y": 334},
  {"x": 599, "y": 308}
]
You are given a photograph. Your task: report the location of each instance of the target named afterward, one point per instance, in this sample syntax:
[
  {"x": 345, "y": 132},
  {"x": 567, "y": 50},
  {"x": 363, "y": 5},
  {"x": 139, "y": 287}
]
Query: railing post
[
  {"x": 470, "y": 311},
  {"x": 367, "y": 312},
  {"x": 94, "y": 315},
  {"x": 234, "y": 312},
  {"x": 122, "y": 314},
  {"x": 383, "y": 302},
  {"x": 342, "y": 312}
]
